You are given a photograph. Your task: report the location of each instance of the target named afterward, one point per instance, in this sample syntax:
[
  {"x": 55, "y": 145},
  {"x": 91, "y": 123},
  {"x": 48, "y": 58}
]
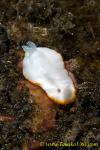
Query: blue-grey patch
[
  {"x": 30, "y": 44},
  {"x": 29, "y": 47}
]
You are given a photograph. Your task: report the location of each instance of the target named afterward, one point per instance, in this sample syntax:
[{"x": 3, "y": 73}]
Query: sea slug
[{"x": 45, "y": 67}]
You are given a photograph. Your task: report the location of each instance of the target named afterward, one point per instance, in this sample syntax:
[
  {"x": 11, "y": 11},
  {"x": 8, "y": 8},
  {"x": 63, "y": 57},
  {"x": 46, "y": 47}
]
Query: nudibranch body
[{"x": 45, "y": 67}]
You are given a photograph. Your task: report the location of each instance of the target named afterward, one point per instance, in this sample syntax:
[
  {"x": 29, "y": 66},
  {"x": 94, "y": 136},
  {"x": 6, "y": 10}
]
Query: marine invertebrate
[{"x": 45, "y": 67}]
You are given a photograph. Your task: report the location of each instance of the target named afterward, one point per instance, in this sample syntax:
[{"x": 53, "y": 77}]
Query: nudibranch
[{"x": 45, "y": 67}]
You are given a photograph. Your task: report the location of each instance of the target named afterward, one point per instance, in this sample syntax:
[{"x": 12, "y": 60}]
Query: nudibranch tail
[{"x": 29, "y": 47}]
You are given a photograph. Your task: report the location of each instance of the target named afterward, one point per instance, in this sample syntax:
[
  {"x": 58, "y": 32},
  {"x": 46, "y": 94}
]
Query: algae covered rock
[{"x": 72, "y": 28}]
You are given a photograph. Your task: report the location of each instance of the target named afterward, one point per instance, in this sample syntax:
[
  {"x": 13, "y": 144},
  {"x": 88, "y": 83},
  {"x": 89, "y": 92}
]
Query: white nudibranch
[{"x": 45, "y": 67}]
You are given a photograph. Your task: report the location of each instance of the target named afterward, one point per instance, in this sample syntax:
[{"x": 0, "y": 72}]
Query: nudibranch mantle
[{"x": 45, "y": 67}]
